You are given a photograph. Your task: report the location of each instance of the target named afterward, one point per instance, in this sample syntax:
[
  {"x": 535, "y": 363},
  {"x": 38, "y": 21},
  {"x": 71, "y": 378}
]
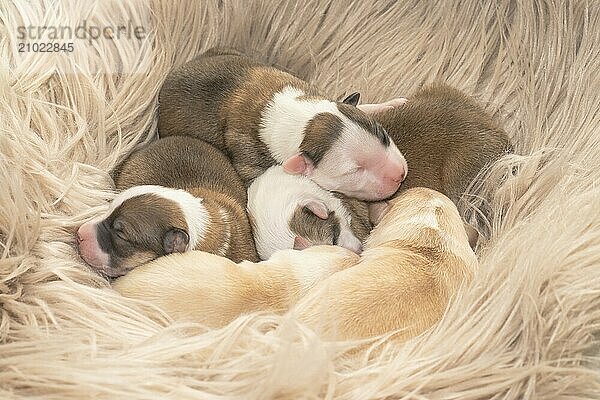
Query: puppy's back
[
  {"x": 192, "y": 96},
  {"x": 446, "y": 137},
  {"x": 414, "y": 262},
  {"x": 183, "y": 163}
]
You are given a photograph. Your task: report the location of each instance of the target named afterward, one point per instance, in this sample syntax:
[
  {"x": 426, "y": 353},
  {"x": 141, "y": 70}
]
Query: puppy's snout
[
  {"x": 85, "y": 232},
  {"x": 396, "y": 172},
  {"x": 89, "y": 248},
  {"x": 392, "y": 177}
]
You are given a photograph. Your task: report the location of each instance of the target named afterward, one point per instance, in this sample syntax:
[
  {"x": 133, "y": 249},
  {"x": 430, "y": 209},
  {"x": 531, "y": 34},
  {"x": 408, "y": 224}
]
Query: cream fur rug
[{"x": 528, "y": 326}]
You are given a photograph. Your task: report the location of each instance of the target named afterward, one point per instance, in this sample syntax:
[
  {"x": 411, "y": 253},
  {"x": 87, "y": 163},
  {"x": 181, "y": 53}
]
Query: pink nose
[
  {"x": 393, "y": 175},
  {"x": 85, "y": 232},
  {"x": 396, "y": 172},
  {"x": 89, "y": 248}
]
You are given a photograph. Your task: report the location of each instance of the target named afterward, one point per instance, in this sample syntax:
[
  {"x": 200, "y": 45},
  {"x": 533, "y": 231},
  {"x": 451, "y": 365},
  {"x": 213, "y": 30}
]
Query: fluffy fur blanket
[{"x": 526, "y": 328}]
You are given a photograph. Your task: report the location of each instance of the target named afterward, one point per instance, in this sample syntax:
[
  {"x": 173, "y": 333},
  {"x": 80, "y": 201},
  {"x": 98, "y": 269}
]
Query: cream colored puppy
[
  {"x": 413, "y": 262},
  {"x": 212, "y": 290}
]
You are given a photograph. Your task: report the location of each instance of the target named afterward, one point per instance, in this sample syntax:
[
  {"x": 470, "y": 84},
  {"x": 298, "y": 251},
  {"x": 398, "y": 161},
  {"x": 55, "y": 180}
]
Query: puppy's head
[
  {"x": 347, "y": 151},
  {"x": 312, "y": 224},
  {"x": 142, "y": 223},
  {"x": 291, "y": 211},
  {"x": 415, "y": 211}
]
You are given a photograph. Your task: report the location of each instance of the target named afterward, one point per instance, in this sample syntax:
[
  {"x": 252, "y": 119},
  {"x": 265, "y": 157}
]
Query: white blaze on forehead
[
  {"x": 195, "y": 213},
  {"x": 272, "y": 199},
  {"x": 284, "y": 119}
]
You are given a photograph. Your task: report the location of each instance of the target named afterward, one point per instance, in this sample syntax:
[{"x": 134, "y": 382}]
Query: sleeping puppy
[
  {"x": 446, "y": 137},
  {"x": 291, "y": 211},
  {"x": 213, "y": 291},
  {"x": 261, "y": 116},
  {"x": 413, "y": 262},
  {"x": 180, "y": 194}
]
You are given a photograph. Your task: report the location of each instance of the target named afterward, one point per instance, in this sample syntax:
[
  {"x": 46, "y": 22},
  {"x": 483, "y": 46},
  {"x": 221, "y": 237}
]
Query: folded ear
[
  {"x": 352, "y": 99},
  {"x": 175, "y": 241},
  {"x": 298, "y": 164},
  {"x": 318, "y": 208},
  {"x": 301, "y": 243},
  {"x": 380, "y": 107}
]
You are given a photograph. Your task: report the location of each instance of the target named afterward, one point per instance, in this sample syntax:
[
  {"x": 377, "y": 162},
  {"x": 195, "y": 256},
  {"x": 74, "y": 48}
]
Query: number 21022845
[{"x": 45, "y": 47}]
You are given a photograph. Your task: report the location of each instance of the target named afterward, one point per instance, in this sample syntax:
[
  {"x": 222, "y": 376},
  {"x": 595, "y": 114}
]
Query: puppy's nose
[
  {"x": 394, "y": 174},
  {"x": 83, "y": 233}
]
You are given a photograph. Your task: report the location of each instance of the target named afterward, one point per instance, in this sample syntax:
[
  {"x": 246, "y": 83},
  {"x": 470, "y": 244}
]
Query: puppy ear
[
  {"x": 301, "y": 243},
  {"x": 352, "y": 99},
  {"x": 318, "y": 208},
  {"x": 377, "y": 211},
  {"x": 298, "y": 164},
  {"x": 175, "y": 241},
  {"x": 380, "y": 107}
]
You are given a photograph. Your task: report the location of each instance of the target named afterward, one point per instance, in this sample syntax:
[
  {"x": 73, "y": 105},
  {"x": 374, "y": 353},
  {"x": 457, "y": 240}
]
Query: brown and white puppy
[
  {"x": 291, "y": 211},
  {"x": 413, "y": 262},
  {"x": 262, "y": 116},
  {"x": 446, "y": 137},
  {"x": 180, "y": 194}
]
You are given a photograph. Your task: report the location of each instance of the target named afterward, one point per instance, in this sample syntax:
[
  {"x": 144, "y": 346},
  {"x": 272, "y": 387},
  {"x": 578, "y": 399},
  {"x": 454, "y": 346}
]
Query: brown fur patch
[
  {"x": 133, "y": 233},
  {"x": 359, "y": 213},
  {"x": 366, "y": 122},
  {"x": 229, "y": 233},
  {"x": 316, "y": 230},
  {"x": 243, "y": 111},
  {"x": 136, "y": 259},
  {"x": 320, "y": 134},
  {"x": 147, "y": 213},
  {"x": 183, "y": 163},
  {"x": 446, "y": 138}
]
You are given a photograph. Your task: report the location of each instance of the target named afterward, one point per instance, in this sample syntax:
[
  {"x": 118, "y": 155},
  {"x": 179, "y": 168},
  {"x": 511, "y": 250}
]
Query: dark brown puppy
[
  {"x": 261, "y": 116},
  {"x": 178, "y": 194},
  {"x": 447, "y": 139}
]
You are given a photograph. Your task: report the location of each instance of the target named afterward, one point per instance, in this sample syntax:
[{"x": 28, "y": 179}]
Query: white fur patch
[
  {"x": 195, "y": 213},
  {"x": 272, "y": 199},
  {"x": 284, "y": 119}
]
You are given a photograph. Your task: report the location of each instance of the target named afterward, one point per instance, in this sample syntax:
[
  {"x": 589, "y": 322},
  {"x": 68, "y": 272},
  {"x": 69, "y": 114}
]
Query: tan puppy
[
  {"x": 414, "y": 261},
  {"x": 213, "y": 290}
]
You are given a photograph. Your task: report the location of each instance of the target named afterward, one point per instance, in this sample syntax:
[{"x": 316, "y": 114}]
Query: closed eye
[
  {"x": 117, "y": 229},
  {"x": 121, "y": 235}
]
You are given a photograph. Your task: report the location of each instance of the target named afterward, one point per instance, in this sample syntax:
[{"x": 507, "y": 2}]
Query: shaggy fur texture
[{"x": 526, "y": 328}]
